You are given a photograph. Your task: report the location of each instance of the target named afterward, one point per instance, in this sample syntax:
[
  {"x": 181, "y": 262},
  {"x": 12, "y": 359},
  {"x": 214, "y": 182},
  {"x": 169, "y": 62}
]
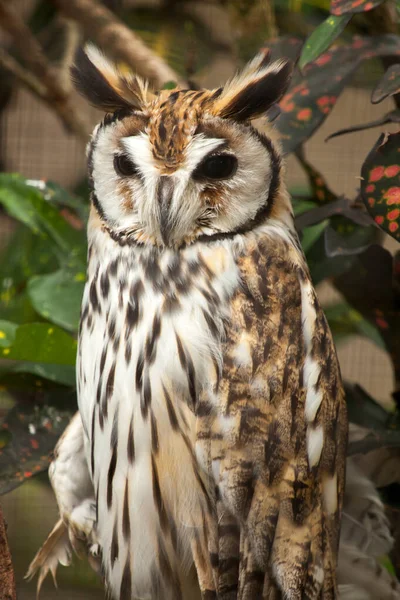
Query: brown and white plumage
[{"x": 214, "y": 421}]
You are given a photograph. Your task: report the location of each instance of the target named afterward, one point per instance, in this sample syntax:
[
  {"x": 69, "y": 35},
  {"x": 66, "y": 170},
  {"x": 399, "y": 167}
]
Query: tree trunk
[{"x": 7, "y": 579}]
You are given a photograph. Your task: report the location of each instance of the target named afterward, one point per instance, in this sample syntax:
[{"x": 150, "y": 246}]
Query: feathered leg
[{"x": 72, "y": 485}]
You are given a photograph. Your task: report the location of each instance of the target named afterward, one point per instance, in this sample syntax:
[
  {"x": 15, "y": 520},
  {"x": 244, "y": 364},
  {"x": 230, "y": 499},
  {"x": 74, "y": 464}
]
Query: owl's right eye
[{"x": 124, "y": 166}]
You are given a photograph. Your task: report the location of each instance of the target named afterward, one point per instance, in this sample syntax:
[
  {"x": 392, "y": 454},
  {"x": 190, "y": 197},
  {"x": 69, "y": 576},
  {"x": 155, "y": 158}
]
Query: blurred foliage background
[{"x": 346, "y": 196}]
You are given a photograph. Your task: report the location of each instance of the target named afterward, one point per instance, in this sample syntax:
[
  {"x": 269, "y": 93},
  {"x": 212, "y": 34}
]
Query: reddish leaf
[
  {"x": 380, "y": 186},
  {"x": 285, "y": 46},
  {"x": 341, "y": 7},
  {"x": 27, "y": 438},
  {"x": 388, "y": 85},
  {"x": 368, "y": 287},
  {"x": 319, "y": 187},
  {"x": 312, "y": 96}
]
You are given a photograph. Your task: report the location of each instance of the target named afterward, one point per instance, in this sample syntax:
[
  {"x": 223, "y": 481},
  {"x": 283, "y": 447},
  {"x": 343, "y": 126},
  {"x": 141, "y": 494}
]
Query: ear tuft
[
  {"x": 103, "y": 85},
  {"x": 255, "y": 90}
]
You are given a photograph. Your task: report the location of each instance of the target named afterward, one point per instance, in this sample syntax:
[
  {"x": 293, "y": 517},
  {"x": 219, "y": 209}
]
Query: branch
[
  {"x": 107, "y": 31},
  {"x": 72, "y": 41},
  {"x": 7, "y": 578},
  {"x": 39, "y": 75},
  {"x": 10, "y": 64}
]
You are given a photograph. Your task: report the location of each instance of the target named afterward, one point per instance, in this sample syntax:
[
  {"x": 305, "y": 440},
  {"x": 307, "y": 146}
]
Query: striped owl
[{"x": 212, "y": 422}]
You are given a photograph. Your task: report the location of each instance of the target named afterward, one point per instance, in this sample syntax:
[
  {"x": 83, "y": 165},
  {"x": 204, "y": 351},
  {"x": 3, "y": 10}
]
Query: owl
[{"x": 212, "y": 422}]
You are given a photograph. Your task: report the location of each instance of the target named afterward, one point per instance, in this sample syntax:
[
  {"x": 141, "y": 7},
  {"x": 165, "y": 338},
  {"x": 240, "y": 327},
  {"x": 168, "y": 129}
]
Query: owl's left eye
[
  {"x": 216, "y": 167},
  {"x": 124, "y": 166}
]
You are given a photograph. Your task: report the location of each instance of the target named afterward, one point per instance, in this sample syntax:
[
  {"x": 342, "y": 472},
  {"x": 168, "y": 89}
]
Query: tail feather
[{"x": 56, "y": 550}]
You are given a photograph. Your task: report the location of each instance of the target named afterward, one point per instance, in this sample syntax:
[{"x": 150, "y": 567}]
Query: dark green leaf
[
  {"x": 322, "y": 37},
  {"x": 322, "y": 267},
  {"x": 60, "y": 374},
  {"x": 390, "y": 117},
  {"x": 388, "y": 85},
  {"x": 345, "y": 320},
  {"x": 32, "y": 433},
  {"x": 344, "y": 237},
  {"x": 57, "y": 296},
  {"x": 380, "y": 185},
  {"x": 363, "y": 410},
  {"x": 375, "y": 441},
  {"x": 342, "y": 207},
  {"x": 341, "y": 7}
]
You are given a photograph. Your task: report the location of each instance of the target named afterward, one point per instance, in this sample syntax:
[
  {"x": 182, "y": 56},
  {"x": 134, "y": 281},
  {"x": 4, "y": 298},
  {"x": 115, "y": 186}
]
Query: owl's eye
[
  {"x": 216, "y": 167},
  {"x": 124, "y": 166}
]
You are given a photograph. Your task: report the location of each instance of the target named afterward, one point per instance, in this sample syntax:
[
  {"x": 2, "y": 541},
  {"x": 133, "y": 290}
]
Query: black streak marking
[
  {"x": 126, "y": 525},
  {"x": 131, "y": 444},
  {"x": 152, "y": 340},
  {"x": 110, "y": 476},
  {"x": 105, "y": 284},
  {"x": 94, "y": 300},
  {"x": 171, "y": 410},
  {"x": 126, "y": 582},
  {"x": 154, "y": 435},
  {"x": 145, "y": 398},
  {"x": 157, "y": 495},
  {"x": 139, "y": 372},
  {"x": 114, "y": 545}
]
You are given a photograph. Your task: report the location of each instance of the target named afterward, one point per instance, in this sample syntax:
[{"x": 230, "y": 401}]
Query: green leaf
[
  {"x": 345, "y": 320},
  {"x": 25, "y": 255},
  {"x": 38, "y": 342},
  {"x": 27, "y": 204},
  {"x": 57, "y": 297},
  {"x": 322, "y": 37},
  {"x": 169, "y": 85},
  {"x": 302, "y": 206},
  {"x": 7, "y": 333},
  {"x": 310, "y": 235},
  {"x": 59, "y": 196},
  {"x": 380, "y": 185}
]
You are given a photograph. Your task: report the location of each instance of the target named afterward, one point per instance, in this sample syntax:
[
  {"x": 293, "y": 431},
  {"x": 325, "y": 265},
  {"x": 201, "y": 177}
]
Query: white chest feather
[{"x": 150, "y": 341}]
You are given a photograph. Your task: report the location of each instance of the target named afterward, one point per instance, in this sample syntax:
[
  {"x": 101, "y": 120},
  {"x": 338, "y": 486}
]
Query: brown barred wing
[{"x": 274, "y": 438}]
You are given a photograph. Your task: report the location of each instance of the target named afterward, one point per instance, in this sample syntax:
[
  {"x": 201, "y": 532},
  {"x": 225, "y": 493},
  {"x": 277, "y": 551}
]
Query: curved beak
[{"x": 165, "y": 190}]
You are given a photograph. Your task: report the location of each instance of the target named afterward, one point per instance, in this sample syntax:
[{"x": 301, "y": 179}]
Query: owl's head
[{"x": 170, "y": 167}]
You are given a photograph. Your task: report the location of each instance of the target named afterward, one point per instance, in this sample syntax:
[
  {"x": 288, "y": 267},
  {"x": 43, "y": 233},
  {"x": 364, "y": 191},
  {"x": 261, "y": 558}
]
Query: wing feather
[{"x": 276, "y": 438}]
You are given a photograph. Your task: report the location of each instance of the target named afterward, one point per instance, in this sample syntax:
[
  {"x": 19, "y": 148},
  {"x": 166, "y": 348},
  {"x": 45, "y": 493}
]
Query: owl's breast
[{"x": 150, "y": 341}]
